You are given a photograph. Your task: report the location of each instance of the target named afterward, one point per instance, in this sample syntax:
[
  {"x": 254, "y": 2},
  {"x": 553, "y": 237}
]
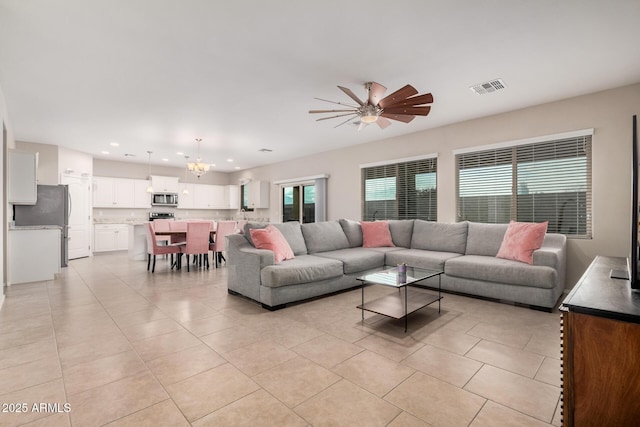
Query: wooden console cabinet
[{"x": 601, "y": 349}]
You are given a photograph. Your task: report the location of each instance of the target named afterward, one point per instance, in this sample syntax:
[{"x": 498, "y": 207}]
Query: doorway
[
  {"x": 79, "y": 216},
  {"x": 299, "y": 203}
]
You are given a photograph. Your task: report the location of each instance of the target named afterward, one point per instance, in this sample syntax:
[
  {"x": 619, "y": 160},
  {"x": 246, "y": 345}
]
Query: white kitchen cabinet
[
  {"x": 29, "y": 262},
  {"x": 208, "y": 196},
  {"x": 141, "y": 199},
  {"x": 22, "y": 177},
  {"x": 258, "y": 194},
  {"x": 113, "y": 192},
  {"x": 232, "y": 197},
  {"x": 110, "y": 237},
  {"x": 165, "y": 184},
  {"x": 185, "y": 201}
]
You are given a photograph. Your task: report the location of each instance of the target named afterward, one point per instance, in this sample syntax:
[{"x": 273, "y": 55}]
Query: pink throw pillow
[
  {"x": 376, "y": 234},
  {"x": 521, "y": 239},
  {"x": 272, "y": 239}
]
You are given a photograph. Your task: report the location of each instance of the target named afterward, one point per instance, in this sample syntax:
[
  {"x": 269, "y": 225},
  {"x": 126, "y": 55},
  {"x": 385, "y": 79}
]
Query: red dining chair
[
  {"x": 162, "y": 225},
  {"x": 224, "y": 228},
  {"x": 197, "y": 240},
  {"x": 154, "y": 249}
]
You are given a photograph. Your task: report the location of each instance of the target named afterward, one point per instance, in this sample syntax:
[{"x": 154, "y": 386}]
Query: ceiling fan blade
[
  {"x": 399, "y": 95},
  {"x": 346, "y": 121},
  {"x": 415, "y": 111},
  {"x": 376, "y": 91},
  {"x": 330, "y": 111},
  {"x": 336, "y": 102},
  {"x": 351, "y": 95},
  {"x": 399, "y": 117},
  {"x": 427, "y": 98},
  {"x": 362, "y": 125},
  {"x": 333, "y": 117},
  {"x": 383, "y": 123}
]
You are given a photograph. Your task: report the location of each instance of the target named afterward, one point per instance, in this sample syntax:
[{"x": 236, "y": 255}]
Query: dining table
[{"x": 178, "y": 229}]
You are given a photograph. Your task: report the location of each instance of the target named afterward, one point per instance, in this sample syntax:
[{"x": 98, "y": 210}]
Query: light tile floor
[{"x": 125, "y": 347}]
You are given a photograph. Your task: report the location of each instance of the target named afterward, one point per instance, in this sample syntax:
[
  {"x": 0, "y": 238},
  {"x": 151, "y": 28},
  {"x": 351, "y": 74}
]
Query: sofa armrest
[
  {"x": 244, "y": 263},
  {"x": 553, "y": 253}
]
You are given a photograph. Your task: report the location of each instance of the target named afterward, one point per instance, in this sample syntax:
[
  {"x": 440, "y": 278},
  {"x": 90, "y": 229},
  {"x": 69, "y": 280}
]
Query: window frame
[
  {"x": 518, "y": 154},
  {"x": 404, "y": 204}
]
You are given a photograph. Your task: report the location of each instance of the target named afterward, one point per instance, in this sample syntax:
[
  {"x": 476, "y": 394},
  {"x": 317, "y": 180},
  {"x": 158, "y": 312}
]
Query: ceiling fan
[{"x": 402, "y": 105}]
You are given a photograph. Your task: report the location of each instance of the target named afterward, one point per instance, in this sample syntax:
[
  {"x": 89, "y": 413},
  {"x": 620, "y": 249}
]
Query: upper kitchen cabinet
[
  {"x": 258, "y": 194},
  {"x": 208, "y": 196},
  {"x": 113, "y": 192},
  {"x": 232, "y": 197},
  {"x": 22, "y": 177},
  {"x": 186, "y": 196},
  {"x": 141, "y": 199},
  {"x": 165, "y": 184}
]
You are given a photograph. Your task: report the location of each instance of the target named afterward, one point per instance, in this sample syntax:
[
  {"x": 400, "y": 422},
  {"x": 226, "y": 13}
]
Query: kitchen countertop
[{"x": 35, "y": 227}]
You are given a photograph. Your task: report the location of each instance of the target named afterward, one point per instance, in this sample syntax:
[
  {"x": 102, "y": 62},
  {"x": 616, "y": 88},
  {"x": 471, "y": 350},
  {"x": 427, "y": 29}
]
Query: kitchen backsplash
[{"x": 132, "y": 216}]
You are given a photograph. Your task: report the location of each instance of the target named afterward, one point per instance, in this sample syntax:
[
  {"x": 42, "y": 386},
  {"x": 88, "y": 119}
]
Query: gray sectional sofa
[{"x": 329, "y": 256}]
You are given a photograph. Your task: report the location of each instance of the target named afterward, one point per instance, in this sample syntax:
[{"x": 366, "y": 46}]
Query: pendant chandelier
[
  {"x": 185, "y": 191},
  {"x": 198, "y": 168},
  {"x": 149, "y": 188}
]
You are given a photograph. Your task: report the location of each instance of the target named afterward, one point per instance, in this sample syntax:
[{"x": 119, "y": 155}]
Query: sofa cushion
[
  {"x": 272, "y": 239},
  {"x": 290, "y": 230},
  {"x": 324, "y": 236},
  {"x": 302, "y": 269},
  {"x": 500, "y": 270},
  {"x": 430, "y": 260},
  {"x": 353, "y": 231},
  {"x": 376, "y": 234},
  {"x": 484, "y": 239},
  {"x": 439, "y": 236},
  {"x": 521, "y": 239},
  {"x": 401, "y": 231},
  {"x": 356, "y": 260}
]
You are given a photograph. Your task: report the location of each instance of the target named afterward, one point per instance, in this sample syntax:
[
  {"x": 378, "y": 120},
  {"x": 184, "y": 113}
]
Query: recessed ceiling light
[
  {"x": 180, "y": 153},
  {"x": 213, "y": 165},
  {"x": 165, "y": 160},
  {"x": 114, "y": 144},
  {"x": 237, "y": 167},
  {"x": 230, "y": 160},
  {"x": 104, "y": 152}
]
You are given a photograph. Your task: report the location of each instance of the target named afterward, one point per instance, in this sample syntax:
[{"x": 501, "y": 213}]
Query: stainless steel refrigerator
[{"x": 52, "y": 208}]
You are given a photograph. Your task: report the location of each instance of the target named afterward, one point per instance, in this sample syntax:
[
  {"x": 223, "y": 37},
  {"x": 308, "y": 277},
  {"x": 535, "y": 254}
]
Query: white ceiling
[{"x": 242, "y": 74}]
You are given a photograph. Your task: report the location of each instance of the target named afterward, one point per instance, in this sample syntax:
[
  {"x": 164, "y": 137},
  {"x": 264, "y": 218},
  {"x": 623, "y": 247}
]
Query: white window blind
[
  {"x": 404, "y": 190},
  {"x": 543, "y": 181}
]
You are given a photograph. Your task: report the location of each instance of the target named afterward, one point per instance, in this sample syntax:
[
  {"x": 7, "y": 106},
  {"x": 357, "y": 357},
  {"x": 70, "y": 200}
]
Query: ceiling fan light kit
[{"x": 402, "y": 105}]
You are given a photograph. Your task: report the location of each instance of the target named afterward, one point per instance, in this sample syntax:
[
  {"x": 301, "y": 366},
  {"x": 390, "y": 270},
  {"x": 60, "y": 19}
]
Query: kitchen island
[{"x": 34, "y": 253}]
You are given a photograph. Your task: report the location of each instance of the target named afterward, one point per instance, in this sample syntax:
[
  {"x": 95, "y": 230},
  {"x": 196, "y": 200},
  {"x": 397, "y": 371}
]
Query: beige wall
[
  {"x": 117, "y": 169},
  {"x": 608, "y": 112}
]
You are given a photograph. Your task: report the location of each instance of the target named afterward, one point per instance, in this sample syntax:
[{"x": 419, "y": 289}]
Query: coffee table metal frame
[{"x": 392, "y": 305}]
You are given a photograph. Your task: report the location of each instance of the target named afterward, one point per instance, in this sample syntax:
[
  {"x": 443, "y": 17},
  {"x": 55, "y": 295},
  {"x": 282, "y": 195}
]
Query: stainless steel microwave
[{"x": 164, "y": 199}]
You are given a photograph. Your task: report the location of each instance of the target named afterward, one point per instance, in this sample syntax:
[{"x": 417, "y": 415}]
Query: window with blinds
[
  {"x": 542, "y": 181},
  {"x": 405, "y": 190}
]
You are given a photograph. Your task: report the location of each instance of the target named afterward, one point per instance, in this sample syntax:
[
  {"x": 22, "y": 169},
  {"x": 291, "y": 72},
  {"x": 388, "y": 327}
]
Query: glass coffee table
[{"x": 400, "y": 304}]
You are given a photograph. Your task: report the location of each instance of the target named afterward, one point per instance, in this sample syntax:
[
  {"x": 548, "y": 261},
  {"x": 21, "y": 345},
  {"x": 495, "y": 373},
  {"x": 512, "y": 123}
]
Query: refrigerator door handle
[{"x": 70, "y": 206}]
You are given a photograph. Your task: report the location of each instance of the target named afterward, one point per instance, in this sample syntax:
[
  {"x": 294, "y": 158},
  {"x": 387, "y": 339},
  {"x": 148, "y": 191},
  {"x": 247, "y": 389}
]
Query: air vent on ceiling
[
  {"x": 488, "y": 87},
  {"x": 265, "y": 150},
  {"x": 129, "y": 155}
]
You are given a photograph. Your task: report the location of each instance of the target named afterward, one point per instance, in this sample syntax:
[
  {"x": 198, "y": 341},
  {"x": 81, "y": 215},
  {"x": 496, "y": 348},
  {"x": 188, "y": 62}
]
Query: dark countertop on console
[{"x": 596, "y": 293}]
